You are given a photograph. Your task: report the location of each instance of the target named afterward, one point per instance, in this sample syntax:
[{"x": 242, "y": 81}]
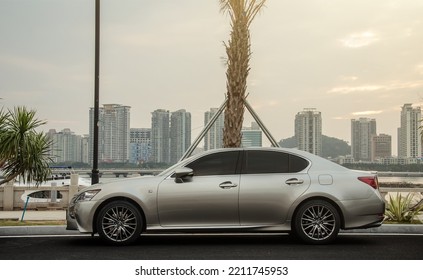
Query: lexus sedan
[{"x": 234, "y": 190}]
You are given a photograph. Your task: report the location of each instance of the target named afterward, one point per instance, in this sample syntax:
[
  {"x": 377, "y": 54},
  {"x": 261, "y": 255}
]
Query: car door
[
  {"x": 208, "y": 198},
  {"x": 270, "y": 182}
]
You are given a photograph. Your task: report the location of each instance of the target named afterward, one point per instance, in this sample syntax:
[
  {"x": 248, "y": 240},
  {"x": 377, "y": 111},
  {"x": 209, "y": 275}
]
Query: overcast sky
[{"x": 346, "y": 58}]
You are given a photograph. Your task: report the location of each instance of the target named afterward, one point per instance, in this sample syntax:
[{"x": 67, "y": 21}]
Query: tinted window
[
  {"x": 297, "y": 164},
  {"x": 256, "y": 162},
  {"x": 215, "y": 164}
]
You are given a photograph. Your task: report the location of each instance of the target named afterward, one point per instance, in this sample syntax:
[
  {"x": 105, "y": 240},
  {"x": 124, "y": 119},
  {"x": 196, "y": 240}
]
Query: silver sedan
[{"x": 234, "y": 190}]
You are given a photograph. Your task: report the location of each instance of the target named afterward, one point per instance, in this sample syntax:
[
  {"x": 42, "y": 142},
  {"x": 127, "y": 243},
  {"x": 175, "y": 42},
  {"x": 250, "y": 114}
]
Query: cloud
[
  {"x": 366, "y": 88},
  {"x": 349, "y": 78},
  {"x": 28, "y": 64},
  {"x": 367, "y": 113},
  {"x": 351, "y": 89},
  {"x": 359, "y": 40}
]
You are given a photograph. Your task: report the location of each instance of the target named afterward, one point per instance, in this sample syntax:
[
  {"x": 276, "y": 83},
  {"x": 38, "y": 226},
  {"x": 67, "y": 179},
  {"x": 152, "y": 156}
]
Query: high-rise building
[
  {"x": 139, "y": 145},
  {"x": 251, "y": 136},
  {"x": 113, "y": 133},
  {"x": 362, "y": 131},
  {"x": 381, "y": 147},
  {"x": 66, "y": 146},
  {"x": 180, "y": 134},
  {"x": 214, "y": 137},
  {"x": 85, "y": 142},
  {"x": 308, "y": 131},
  {"x": 409, "y": 133},
  {"x": 160, "y": 140}
]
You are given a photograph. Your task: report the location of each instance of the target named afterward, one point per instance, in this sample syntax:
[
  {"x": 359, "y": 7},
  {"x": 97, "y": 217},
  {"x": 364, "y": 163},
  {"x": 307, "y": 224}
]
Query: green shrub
[{"x": 403, "y": 209}]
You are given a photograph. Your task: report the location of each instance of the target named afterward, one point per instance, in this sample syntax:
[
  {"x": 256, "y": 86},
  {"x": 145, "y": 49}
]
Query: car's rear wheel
[
  {"x": 317, "y": 222},
  {"x": 119, "y": 222}
]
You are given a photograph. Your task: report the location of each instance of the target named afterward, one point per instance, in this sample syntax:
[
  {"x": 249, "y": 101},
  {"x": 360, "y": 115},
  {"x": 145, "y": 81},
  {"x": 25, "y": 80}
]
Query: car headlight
[{"x": 87, "y": 195}]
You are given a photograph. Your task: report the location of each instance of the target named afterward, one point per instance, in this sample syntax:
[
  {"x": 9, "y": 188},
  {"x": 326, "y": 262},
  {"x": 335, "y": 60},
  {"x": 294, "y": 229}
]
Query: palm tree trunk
[{"x": 242, "y": 12}]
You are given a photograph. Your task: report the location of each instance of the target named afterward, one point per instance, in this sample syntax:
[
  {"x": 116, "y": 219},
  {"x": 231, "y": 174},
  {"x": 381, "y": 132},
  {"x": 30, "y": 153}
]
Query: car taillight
[{"x": 371, "y": 181}]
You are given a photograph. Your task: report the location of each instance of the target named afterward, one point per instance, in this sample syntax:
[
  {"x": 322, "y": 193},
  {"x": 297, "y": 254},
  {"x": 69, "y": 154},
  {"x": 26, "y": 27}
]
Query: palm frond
[{"x": 23, "y": 151}]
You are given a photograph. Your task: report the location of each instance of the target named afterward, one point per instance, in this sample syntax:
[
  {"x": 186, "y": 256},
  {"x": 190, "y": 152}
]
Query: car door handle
[
  {"x": 227, "y": 185},
  {"x": 294, "y": 181}
]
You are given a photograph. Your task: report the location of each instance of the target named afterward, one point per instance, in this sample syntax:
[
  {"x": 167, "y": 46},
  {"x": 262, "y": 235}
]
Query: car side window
[
  {"x": 223, "y": 163},
  {"x": 259, "y": 162},
  {"x": 297, "y": 164}
]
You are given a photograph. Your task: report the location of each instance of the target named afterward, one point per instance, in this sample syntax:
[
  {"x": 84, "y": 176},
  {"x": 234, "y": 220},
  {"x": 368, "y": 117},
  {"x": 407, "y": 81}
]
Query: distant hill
[{"x": 331, "y": 147}]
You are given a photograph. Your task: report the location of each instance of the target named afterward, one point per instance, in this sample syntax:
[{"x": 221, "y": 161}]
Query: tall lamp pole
[{"x": 95, "y": 172}]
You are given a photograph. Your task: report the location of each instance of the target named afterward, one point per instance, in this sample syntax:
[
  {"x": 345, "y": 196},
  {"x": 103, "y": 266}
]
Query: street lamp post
[{"x": 95, "y": 172}]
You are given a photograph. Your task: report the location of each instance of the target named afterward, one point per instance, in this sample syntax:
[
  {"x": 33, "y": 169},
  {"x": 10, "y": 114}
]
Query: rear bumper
[{"x": 371, "y": 225}]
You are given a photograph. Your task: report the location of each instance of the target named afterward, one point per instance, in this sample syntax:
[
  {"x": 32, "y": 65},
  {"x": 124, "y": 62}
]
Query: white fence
[{"x": 14, "y": 198}]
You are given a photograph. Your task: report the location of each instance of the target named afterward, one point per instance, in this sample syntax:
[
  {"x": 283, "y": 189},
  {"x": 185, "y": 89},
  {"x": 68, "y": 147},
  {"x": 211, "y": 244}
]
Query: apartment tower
[
  {"x": 362, "y": 131},
  {"x": 308, "y": 131},
  {"x": 140, "y": 145},
  {"x": 160, "y": 140},
  {"x": 409, "y": 133},
  {"x": 180, "y": 134},
  {"x": 214, "y": 137},
  {"x": 113, "y": 132}
]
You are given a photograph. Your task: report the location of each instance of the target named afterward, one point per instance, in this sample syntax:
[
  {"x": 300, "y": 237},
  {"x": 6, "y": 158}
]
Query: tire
[
  {"x": 317, "y": 222},
  {"x": 119, "y": 223}
]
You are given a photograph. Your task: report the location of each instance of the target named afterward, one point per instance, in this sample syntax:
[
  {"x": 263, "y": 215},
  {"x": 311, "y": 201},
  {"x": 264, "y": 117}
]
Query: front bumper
[
  {"x": 70, "y": 223},
  {"x": 80, "y": 216}
]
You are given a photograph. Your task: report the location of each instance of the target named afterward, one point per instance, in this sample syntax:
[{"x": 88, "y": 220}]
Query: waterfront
[{"x": 411, "y": 180}]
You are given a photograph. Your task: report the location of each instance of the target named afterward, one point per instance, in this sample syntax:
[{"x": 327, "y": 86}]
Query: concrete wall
[{"x": 11, "y": 196}]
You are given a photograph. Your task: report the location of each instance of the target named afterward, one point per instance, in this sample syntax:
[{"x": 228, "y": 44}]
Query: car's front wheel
[
  {"x": 119, "y": 223},
  {"x": 317, "y": 222}
]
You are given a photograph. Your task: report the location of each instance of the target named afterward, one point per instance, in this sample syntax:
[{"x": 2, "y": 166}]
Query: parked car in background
[{"x": 234, "y": 190}]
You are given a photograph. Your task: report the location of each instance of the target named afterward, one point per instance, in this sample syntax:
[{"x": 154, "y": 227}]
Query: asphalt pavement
[{"x": 54, "y": 215}]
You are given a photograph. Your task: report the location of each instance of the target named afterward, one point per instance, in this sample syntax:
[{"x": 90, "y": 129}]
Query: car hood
[{"x": 127, "y": 183}]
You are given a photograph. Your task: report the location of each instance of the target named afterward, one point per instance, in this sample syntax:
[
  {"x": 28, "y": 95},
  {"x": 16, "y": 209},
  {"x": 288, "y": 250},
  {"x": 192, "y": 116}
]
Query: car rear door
[
  {"x": 270, "y": 182},
  {"x": 208, "y": 198}
]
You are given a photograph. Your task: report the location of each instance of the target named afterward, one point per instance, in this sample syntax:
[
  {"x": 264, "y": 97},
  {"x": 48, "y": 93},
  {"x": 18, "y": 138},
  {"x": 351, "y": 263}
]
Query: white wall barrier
[{"x": 41, "y": 198}]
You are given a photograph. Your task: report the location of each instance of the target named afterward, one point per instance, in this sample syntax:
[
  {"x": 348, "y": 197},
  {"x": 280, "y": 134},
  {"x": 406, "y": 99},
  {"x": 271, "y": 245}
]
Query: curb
[
  {"x": 61, "y": 230},
  {"x": 36, "y": 230},
  {"x": 390, "y": 228}
]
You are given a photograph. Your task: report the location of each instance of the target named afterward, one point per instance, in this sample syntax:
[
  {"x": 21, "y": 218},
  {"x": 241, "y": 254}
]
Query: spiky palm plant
[
  {"x": 24, "y": 152},
  {"x": 242, "y": 13},
  {"x": 402, "y": 209}
]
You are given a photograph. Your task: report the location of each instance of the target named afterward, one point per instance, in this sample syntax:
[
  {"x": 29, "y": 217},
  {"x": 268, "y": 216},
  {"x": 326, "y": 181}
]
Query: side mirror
[{"x": 182, "y": 174}]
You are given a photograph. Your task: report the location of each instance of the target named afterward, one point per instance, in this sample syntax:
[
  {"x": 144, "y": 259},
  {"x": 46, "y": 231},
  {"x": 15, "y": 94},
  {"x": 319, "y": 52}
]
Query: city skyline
[
  {"x": 349, "y": 59},
  {"x": 168, "y": 137}
]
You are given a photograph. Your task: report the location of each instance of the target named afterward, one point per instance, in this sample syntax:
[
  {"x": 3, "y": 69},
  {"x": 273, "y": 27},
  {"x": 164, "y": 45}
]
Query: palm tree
[
  {"x": 24, "y": 152},
  {"x": 242, "y": 13}
]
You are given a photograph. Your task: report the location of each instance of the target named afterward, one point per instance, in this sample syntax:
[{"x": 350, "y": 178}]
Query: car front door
[{"x": 207, "y": 198}]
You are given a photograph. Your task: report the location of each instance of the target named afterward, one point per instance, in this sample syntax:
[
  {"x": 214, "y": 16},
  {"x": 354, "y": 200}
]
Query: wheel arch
[
  {"x": 119, "y": 198},
  {"x": 332, "y": 202}
]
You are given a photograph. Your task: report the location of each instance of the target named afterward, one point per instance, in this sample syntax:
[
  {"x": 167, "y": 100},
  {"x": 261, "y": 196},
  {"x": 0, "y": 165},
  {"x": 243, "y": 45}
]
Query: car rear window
[{"x": 259, "y": 162}]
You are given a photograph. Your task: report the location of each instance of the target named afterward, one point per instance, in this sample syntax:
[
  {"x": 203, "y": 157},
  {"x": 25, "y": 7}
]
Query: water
[{"x": 411, "y": 180}]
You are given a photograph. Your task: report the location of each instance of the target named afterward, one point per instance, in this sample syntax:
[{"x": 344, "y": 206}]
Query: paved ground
[
  {"x": 32, "y": 215},
  {"x": 61, "y": 215}
]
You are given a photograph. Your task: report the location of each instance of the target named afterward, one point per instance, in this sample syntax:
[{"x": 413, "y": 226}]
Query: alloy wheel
[{"x": 119, "y": 223}]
